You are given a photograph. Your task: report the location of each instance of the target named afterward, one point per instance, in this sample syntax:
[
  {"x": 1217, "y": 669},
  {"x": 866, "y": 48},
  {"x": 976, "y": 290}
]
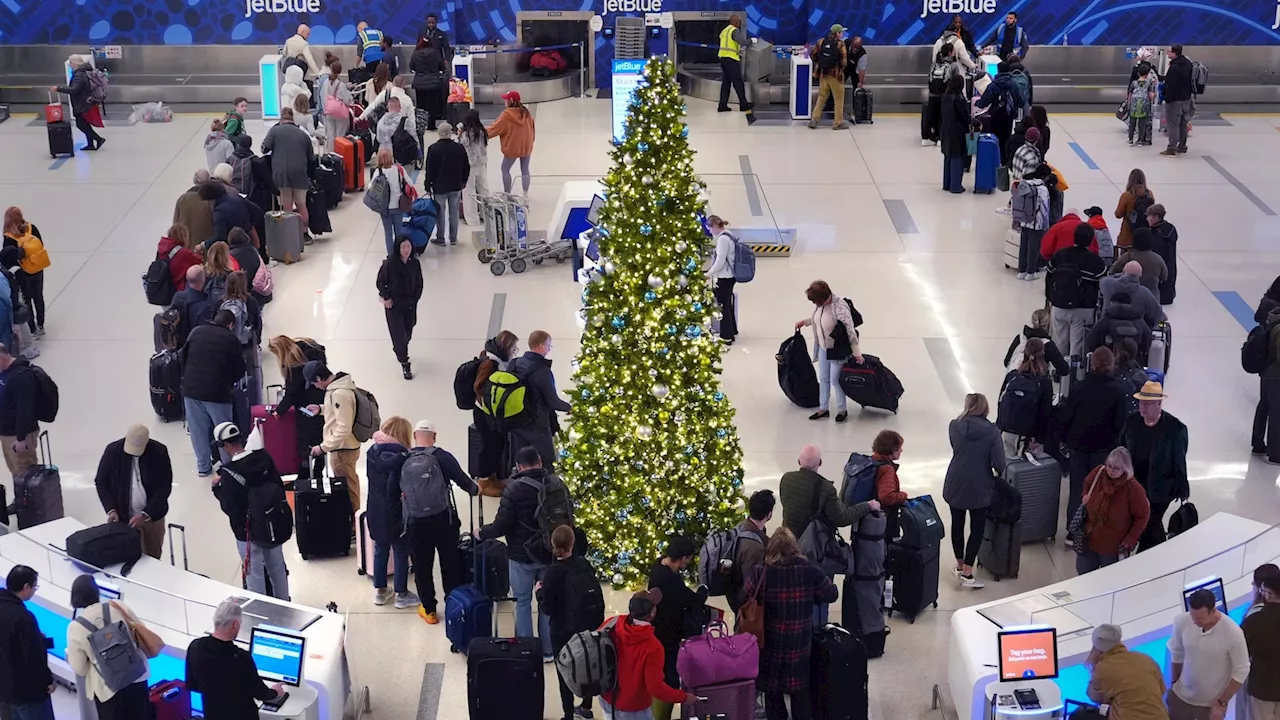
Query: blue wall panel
[{"x": 202, "y": 22}]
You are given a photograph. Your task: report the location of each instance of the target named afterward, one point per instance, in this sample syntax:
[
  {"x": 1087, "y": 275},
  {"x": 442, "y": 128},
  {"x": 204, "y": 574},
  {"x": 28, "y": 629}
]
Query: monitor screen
[
  {"x": 593, "y": 212},
  {"x": 1028, "y": 652},
  {"x": 1213, "y": 584},
  {"x": 278, "y": 655},
  {"x": 107, "y": 591}
]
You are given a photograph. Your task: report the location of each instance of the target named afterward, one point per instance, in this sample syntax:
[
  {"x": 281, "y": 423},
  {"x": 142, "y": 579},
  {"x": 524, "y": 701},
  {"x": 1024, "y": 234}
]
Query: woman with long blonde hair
[
  {"x": 384, "y": 514},
  {"x": 218, "y": 266},
  {"x": 293, "y": 354},
  {"x": 977, "y": 456}
]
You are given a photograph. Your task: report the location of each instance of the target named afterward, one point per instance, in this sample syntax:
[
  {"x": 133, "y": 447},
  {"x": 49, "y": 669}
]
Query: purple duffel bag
[{"x": 716, "y": 657}]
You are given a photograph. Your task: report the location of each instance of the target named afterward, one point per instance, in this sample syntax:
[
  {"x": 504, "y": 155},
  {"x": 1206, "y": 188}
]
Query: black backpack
[
  {"x": 46, "y": 395},
  {"x": 827, "y": 56},
  {"x": 1183, "y": 519},
  {"x": 1066, "y": 285},
  {"x": 1121, "y": 329},
  {"x": 584, "y": 600},
  {"x": 404, "y": 147},
  {"x": 1255, "y": 354},
  {"x": 1019, "y": 405},
  {"x": 157, "y": 282},
  {"x": 464, "y": 384},
  {"x": 1138, "y": 218}
]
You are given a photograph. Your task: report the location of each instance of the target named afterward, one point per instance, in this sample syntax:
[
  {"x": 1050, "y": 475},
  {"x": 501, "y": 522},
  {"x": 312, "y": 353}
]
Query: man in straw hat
[{"x": 1158, "y": 443}]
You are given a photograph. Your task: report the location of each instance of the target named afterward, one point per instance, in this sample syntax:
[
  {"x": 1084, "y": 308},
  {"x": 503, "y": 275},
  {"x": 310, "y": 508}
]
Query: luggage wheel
[
  {"x": 561, "y": 257},
  {"x": 538, "y": 261},
  {"x": 497, "y": 267},
  {"x": 486, "y": 256},
  {"x": 518, "y": 265},
  {"x": 935, "y": 604},
  {"x": 361, "y": 572}
]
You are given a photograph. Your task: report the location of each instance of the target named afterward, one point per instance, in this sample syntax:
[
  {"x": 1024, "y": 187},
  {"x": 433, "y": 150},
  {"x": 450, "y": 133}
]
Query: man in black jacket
[
  {"x": 134, "y": 481},
  {"x": 437, "y": 38},
  {"x": 229, "y": 211},
  {"x": 447, "y": 173},
  {"x": 517, "y": 521},
  {"x": 193, "y": 304},
  {"x": 535, "y": 369},
  {"x": 682, "y": 612},
  {"x": 1090, "y": 420},
  {"x": 212, "y": 364},
  {"x": 224, "y": 673},
  {"x": 19, "y": 427},
  {"x": 1178, "y": 89},
  {"x": 251, "y": 493},
  {"x": 1157, "y": 442},
  {"x": 25, "y": 680},
  {"x": 1072, "y": 290}
]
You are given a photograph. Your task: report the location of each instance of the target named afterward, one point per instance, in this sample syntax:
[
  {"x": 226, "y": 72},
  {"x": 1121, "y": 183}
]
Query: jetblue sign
[{"x": 253, "y": 7}]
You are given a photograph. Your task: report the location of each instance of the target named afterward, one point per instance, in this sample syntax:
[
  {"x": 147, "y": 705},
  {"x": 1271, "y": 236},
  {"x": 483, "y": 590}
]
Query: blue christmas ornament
[
  {"x": 650, "y": 296},
  {"x": 643, "y": 147},
  {"x": 618, "y": 322},
  {"x": 735, "y": 483},
  {"x": 621, "y": 515},
  {"x": 691, "y": 265},
  {"x": 718, "y": 396},
  {"x": 624, "y": 558},
  {"x": 644, "y": 501},
  {"x": 585, "y": 394},
  {"x": 684, "y": 131},
  {"x": 680, "y": 515},
  {"x": 662, "y": 201},
  {"x": 693, "y": 331},
  {"x": 697, "y": 307},
  {"x": 645, "y": 229},
  {"x": 564, "y": 453},
  {"x": 672, "y": 329},
  {"x": 688, "y": 449},
  {"x": 663, "y": 351},
  {"x": 719, "y": 433}
]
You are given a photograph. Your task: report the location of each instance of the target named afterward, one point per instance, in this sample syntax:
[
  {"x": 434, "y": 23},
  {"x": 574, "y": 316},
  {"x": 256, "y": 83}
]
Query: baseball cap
[
  {"x": 837, "y": 28},
  {"x": 511, "y": 95},
  {"x": 424, "y": 426},
  {"x": 226, "y": 431},
  {"x": 135, "y": 440},
  {"x": 643, "y": 602},
  {"x": 1105, "y": 637},
  {"x": 1094, "y": 211}
]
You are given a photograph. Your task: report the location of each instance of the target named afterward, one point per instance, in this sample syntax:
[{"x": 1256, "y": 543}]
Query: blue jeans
[
  {"x": 611, "y": 714},
  {"x": 391, "y": 229},
  {"x": 829, "y": 377},
  {"x": 449, "y": 205},
  {"x": 1088, "y": 561},
  {"x": 523, "y": 577},
  {"x": 41, "y": 709},
  {"x": 400, "y": 552},
  {"x": 266, "y": 560},
  {"x": 953, "y": 174},
  {"x": 202, "y": 418}
]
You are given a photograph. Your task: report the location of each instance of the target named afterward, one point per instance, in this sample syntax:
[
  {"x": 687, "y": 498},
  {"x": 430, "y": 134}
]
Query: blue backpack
[
  {"x": 859, "y": 484},
  {"x": 744, "y": 260}
]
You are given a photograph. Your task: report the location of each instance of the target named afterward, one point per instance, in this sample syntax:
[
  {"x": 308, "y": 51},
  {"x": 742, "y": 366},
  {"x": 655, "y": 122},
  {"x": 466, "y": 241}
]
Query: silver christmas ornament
[
  {"x": 644, "y": 432},
  {"x": 655, "y": 282},
  {"x": 681, "y": 246},
  {"x": 616, "y": 339},
  {"x": 646, "y": 180},
  {"x": 682, "y": 281},
  {"x": 659, "y": 390},
  {"x": 609, "y": 267}
]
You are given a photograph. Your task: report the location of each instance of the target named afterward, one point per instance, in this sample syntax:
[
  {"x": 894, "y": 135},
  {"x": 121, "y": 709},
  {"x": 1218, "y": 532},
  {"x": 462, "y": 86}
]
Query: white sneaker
[
  {"x": 1022, "y": 276},
  {"x": 381, "y": 596},
  {"x": 407, "y": 600},
  {"x": 926, "y": 143},
  {"x": 972, "y": 583},
  {"x": 957, "y": 572},
  {"x": 1004, "y": 210}
]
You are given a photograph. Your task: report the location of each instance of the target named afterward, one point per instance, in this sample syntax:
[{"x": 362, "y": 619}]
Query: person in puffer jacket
[
  {"x": 1039, "y": 328},
  {"x": 400, "y": 288},
  {"x": 1120, "y": 311},
  {"x": 293, "y": 86},
  {"x": 1061, "y": 235},
  {"x": 218, "y": 148},
  {"x": 384, "y": 513}
]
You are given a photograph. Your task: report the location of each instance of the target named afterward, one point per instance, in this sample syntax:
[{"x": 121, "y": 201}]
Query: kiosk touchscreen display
[
  {"x": 277, "y": 655},
  {"x": 1213, "y": 584},
  {"x": 1028, "y": 652}
]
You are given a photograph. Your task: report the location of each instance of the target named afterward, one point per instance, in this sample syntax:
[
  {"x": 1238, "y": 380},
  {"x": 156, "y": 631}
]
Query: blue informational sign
[{"x": 627, "y": 76}]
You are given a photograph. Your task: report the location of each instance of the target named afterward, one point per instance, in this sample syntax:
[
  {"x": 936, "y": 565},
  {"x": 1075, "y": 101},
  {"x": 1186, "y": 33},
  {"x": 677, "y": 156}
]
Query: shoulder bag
[
  {"x": 144, "y": 637},
  {"x": 749, "y": 619}
]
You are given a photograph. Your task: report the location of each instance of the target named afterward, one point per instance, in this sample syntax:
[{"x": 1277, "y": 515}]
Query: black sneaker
[
  {"x": 404, "y": 369},
  {"x": 726, "y": 108},
  {"x": 584, "y": 713},
  {"x": 1259, "y": 450}
]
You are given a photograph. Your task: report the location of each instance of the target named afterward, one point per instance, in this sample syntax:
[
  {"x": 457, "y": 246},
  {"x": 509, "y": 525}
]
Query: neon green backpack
[{"x": 507, "y": 400}]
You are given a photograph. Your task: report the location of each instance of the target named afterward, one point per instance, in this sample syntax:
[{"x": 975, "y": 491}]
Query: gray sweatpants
[
  {"x": 1177, "y": 115},
  {"x": 1068, "y": 329},
  {"x": 334, "y": 128}
]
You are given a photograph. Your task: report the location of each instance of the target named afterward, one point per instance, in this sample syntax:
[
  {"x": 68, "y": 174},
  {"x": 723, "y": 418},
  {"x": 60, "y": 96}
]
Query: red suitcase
[
  {"x": 352, "y": 151},
  {"x": 171, "y": 700},
  {"x": 53, "y": 111},
  {"x": 279, "y": 436},
  {"x": 727, "y": 701}
]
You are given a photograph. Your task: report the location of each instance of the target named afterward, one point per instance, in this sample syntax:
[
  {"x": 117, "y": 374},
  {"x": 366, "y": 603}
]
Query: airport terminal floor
[{"x": 924, "y": 267}]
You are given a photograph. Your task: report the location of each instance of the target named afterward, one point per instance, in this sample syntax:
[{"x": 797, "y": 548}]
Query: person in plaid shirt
[
  {"x": 1027, "y": 158},
  {"x": 788, "y": 586}
]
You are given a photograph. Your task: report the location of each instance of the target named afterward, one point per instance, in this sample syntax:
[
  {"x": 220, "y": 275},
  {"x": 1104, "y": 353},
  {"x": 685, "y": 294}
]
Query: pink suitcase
[
  {"x": 727, "y": 701},
  {"x": 279, "y": 435}
]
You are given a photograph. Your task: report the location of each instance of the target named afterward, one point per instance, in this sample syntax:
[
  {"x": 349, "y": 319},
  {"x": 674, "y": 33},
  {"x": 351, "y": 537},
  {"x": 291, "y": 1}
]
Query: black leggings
[
  {"x": 32, "y": 287},
  {"x": 967, "y": 550},
  {"x": 89, "y": 133}
]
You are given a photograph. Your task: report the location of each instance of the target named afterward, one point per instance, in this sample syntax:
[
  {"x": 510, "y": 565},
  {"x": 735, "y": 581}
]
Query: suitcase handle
[
  {"x": 46, "y": 450},
  {"x": 54, "y": 96},
  {"x": 172, "y": 560}
]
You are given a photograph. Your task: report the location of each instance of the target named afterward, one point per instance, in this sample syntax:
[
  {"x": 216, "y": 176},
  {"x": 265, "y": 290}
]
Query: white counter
[
  {"x": 1142, "y": 595},
  {"x": 179, "y": 606}
]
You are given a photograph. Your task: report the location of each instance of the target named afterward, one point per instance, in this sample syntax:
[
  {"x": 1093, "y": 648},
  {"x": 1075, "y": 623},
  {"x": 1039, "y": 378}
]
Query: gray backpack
[
  {"x": 115, "y": 654},
  {"x": 588, "y": 662},
  {"x": 425, "y": 488}
]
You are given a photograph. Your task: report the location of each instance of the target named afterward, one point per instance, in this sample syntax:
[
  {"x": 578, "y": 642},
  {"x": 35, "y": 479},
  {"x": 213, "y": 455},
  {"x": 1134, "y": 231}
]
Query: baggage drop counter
[
  {"x": 179, "y": 605},
  {"x": 694, "y": 43},
  {"x": 1142, "y": 595}
]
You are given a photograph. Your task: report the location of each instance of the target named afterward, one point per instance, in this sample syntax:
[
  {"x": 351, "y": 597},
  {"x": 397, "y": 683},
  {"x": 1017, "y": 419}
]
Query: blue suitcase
[
  {"x": 984, "y": 177},
  {"x": 468, "y": 614}
]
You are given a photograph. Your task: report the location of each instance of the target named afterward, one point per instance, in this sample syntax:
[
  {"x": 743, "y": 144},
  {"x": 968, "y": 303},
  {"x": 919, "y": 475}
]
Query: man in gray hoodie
[
  {"x": 1130, "y": 281},
  {"x": 291, "y": 155}
]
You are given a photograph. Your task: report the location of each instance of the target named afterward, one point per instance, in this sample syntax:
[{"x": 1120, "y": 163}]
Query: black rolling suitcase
[
  {"x": 504, "y": 679},
  {"x": 1001, "y": 551},
  {"x": 166, "y": 385},
  {"x": 838, "y": 675},
  {"x": 914, "y": 572},
  {"x": 863, "y": 106},
  {"x": 318, "y": 212},
  {"x": 474, "y": 441},
  {"x": 61, "y": 141},
  {"x": 330, "y": 178},
  {"x": 37, "y": 491},
  {"x": 496, "y": 583},
  {"x": 322, "y": 517}
]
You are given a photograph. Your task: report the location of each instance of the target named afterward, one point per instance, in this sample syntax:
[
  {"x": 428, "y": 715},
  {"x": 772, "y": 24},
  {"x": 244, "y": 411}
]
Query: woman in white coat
[
  {"x": 475, "y": 139},
  {"x": 835, "y": 339},
  {"x": 293, "y": 87}
]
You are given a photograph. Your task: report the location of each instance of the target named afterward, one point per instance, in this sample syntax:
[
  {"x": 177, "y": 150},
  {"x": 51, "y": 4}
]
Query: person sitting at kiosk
[{"x": 1129, "y": 682}]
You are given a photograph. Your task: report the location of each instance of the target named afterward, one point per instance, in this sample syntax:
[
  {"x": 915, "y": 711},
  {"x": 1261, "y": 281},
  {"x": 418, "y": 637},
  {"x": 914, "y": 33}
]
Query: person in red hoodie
[
  {"x": 1060, "y": 236},
  {"x": 176, "y": 245},
  {"x": 640, "y": 663}
]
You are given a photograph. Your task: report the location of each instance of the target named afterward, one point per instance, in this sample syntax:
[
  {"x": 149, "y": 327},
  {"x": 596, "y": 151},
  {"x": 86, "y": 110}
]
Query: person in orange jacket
[
  {"x": 886, "y": 449},
  {"x": 640, "y": 662},
  {"x": 516, "y": 132},
  {"x": 1060, "y": 236}
]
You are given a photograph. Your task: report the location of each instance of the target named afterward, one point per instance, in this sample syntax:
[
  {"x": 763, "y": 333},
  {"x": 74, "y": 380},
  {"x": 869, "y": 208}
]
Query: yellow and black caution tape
[{"x": 770, "y": 250}]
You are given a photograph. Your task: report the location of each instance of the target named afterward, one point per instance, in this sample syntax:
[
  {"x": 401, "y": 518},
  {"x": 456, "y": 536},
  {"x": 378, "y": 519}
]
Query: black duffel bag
[
  {"x": 796, "y": 376},
  {"x": 106, "y": 545}
]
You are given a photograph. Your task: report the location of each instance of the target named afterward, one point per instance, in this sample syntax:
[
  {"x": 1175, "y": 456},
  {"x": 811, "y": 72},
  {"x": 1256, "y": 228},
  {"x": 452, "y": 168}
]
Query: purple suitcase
[{"x": 727, "y": 701}]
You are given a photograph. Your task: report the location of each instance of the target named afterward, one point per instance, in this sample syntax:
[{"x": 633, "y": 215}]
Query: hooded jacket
[
  {"x": 1139, "y": 294},
  {"x": 977, "y": 456},
  {"x": 400, "y": 281},
  {"x": 297, "y": 391},
  {"x": 233, "y": 211},
  {"x": 961, "y": 46},
  {"x": 388, "y": 124},
  {"x": 1178, "y": 80},
  {"x": 293, "y": 86},
  {"x": 516, "y": 132},
  {"x": 1052, "y": 355},
  {"x": 1270, "y": 301},
  {"x": 536, "y": 371},
  {"x": 1061, "y": 235},
  {"x": 256, "y": 468},
  {"x": 448, "y": 166},
  {"x": 340, "y": 415},
  {"x": 1091, "y": 417},
  {"x": 24, "y": 663},
  {"x": 428, "y": 69},
  {"x": 516, "y": 520},
  {"x": 264, "y": 187},
  {"x": 1122, "y": 312},
  {"x": 383, "y": 509},
  {"x": 181, "y": 261},
  {"x": 373, "y": 101},
  {"x": 1272, "y": 322},
  {"x": 1164, "y": 242},
  {"x": 491, "y": 360},
  {"x": 640, "y": 669},
  {"x": 218, "y": 149}
]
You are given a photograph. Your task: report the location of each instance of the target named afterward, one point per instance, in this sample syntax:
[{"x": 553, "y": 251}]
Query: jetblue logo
[
  {"x": 643, "y": 6},
  {"x": 954, "y": 7},
  {"x": 1276, "y": 24},
  {"x": 254, "y": 7}
]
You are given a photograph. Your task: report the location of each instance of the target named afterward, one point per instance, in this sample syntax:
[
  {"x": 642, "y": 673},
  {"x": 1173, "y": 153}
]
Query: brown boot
[{"x": 491, "y": 486}]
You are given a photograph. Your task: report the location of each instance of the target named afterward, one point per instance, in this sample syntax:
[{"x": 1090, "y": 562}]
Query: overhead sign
[{"x": 627, "y": 76}]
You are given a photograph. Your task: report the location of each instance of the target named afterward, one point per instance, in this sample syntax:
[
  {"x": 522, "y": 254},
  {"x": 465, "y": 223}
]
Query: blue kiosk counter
[
  {"x": 179, "y": 606},
  {"x": 1142, "y": 595}
]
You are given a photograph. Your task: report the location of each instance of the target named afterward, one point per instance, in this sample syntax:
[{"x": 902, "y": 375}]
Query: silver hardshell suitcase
[
  {"x": 284, "y": 236},
  {"x": 1040, "y": 482}
]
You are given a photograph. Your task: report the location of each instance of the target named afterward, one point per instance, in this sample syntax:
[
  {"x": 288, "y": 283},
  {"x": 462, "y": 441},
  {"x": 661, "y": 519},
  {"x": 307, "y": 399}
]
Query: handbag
[
  {"x": 716, "y": 657},
  {"x": 823, "y": 545},
  {"x": 407, "y": 194},
  {"x": 1079, "y": 521},
  {"x": 971, "y": 144},
  {"x": 144, "y": 637},
  {"x": 841, "y": 348},
  {"x": 750, "y": 616}
]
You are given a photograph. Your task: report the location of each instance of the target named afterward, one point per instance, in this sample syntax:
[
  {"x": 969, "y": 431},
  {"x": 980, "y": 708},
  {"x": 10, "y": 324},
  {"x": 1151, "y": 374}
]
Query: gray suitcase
[
  {"x": 1041, "y": 486},
  {"x": 284, "y": 236},
  {"x": 1001, "y": 551}
]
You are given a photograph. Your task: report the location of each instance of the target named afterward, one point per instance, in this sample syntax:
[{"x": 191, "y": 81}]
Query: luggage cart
[{"x": 506, "y": 236}]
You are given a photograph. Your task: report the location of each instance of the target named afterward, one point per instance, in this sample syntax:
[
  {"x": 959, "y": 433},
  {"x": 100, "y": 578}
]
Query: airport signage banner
[{"x": 783, "y": 22}]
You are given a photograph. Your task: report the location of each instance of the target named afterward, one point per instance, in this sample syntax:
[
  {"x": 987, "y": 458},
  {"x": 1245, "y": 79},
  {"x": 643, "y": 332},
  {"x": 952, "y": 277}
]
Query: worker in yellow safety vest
[
  {"x": 369, "y": 44},
  {"x": 732, "y": 38}
]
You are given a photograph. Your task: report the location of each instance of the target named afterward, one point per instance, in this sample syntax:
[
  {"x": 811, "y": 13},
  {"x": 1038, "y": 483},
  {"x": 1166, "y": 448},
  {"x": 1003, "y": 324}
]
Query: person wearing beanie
[
  {"x": 448, "y": 169},
  {"x": 1130, "y": 682},
  {"x": 1027, "y": 158},
  {"x": 640, "y": 662},
  {"x": 134, "y": 480},
  {"x": 683, "y": 608},
  {"x": 127, "y": 703}
]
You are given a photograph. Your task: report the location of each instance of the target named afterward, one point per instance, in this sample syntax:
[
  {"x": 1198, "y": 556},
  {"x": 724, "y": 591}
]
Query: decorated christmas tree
[{"x": 652, "y": 451}]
